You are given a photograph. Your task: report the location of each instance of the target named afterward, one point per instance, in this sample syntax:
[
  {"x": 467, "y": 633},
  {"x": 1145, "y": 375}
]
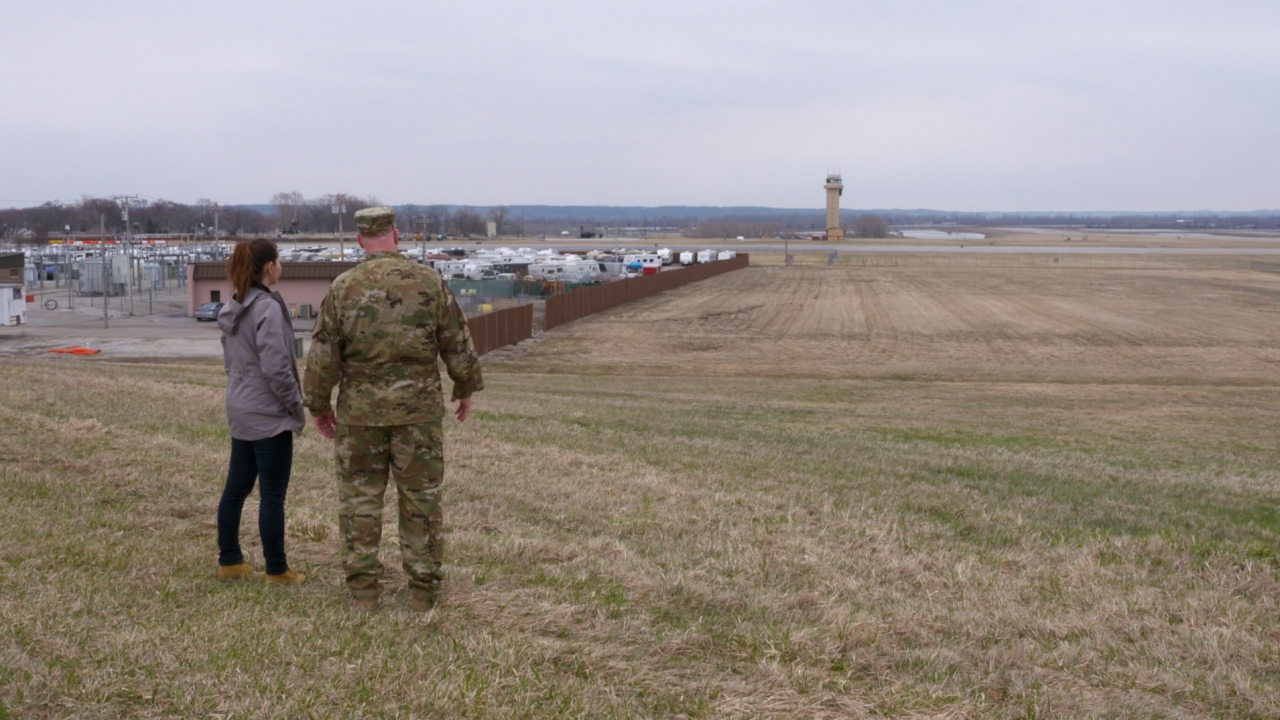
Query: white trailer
[
  {"x": 13, "y": 306},
  {"x": 479, "y": 271},
  {"x": 452, "y": 268},
  {"x": 726, "y": 255},
  {"x": 706, "y": 256},
  {"x": 686, "y": 258},
  {"x": 578, "y": 272},
  {"x": 646, "y": 260}
]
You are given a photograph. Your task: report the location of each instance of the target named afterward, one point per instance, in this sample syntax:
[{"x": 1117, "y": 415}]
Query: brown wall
[
  {"x": 491, "y": 331},
  {"x": 570, "y": 306}
]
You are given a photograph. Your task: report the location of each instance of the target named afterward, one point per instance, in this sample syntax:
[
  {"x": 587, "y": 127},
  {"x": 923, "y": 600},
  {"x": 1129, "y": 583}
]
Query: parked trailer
[
  {"x": 579, "y": 272},
  {"x": 686, "y": 258},
  {"x": 646, "y": 260},
  {"x": 706, "y": 256}
]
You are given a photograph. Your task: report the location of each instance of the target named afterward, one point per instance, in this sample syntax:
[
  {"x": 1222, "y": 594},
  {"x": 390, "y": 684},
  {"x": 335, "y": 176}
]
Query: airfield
[{"x": 1037, "y": 480}]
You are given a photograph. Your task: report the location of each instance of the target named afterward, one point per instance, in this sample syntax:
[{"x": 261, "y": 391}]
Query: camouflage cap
[{"x": 375, "y": 221}]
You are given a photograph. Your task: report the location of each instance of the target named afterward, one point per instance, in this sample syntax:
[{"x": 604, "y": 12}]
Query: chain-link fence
[{"x": 124, "y": 284}]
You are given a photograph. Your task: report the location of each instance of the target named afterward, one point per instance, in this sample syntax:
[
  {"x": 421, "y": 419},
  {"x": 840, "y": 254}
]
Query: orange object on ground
[{"x": 77, "y": 350}]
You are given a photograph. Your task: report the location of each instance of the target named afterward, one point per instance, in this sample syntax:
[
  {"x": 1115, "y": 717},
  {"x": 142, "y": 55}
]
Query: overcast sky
[{"x": 946, "y": 104}]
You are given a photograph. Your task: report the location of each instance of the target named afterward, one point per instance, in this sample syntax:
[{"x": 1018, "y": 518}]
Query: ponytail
[{"x": 247, "y": 262}]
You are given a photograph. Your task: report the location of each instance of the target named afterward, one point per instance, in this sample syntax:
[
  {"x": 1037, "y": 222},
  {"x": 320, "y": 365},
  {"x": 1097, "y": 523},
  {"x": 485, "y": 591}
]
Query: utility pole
[
  {"x": 339, "y": 208},
  {"x": 66, "y": 263},
  {"x": 124, "y": 201},
  {"x": 422, "y": 244},
  {"x": 102, "y": 254}
]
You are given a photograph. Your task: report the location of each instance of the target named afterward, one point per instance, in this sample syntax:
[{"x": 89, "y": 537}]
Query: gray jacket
[{"x": 264, "y": 397}]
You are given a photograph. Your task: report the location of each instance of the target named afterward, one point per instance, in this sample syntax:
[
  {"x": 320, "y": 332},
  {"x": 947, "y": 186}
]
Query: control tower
[{"x": 835, "y": 188}]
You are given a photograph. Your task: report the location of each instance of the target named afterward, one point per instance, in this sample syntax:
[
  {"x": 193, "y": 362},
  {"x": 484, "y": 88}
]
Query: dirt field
[{"x": 957, "y": 324}]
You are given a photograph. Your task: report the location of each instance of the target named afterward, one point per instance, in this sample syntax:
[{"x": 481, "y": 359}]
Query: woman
[{"x": 264, "y": 409}]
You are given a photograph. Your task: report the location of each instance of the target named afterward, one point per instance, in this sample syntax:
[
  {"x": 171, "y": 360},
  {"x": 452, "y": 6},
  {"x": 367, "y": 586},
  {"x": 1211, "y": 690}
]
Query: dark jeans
[{"x": 267, "y": 460}]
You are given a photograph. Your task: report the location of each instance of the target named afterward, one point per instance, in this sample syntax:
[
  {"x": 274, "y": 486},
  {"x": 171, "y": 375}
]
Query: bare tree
[
  {"x": 498, "y": 214},
  {"x": 871, "y": 226},
  {"x": 468, "y": 222},
  {"x": 288, "y": 205},
  {"x": 441, "y": 218}
]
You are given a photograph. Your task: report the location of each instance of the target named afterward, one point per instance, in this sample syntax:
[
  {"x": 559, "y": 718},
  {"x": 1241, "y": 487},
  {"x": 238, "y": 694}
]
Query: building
[
  {"x": 835, "y": 188},
  {"x": 11, "y": 268},
  {"x": 301, "y": 283},
  {"x": 13, "y": 303}
]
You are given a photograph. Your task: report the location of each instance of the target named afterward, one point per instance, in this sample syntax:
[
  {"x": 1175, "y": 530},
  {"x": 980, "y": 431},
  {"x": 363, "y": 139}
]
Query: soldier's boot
[
  {"x": 423, "y": 603},
  {"x": 235, "y": 572},
  {"x": 288, "y": 577},
  {"x": 364, "y": 604}
]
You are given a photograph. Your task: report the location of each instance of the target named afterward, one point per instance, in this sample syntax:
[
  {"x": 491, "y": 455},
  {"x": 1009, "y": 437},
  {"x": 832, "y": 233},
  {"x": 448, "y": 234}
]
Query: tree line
[
  {"x": 289, "y": 213},
  {"x": 93, "y": 216},
  {"x": 865, "y": 225}
]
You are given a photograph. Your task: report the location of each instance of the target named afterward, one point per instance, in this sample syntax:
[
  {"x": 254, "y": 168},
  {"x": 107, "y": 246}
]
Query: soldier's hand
[
  {"x": 464, "y": 409},
  {"x": 324, "y": 424}
]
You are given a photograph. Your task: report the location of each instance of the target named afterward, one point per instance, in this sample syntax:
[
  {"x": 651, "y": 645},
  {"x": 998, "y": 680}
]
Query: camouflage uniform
[{"x": 377, "y": 337}]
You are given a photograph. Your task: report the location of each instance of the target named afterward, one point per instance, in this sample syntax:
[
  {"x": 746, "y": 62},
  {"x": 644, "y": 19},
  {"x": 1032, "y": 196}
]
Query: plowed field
[{"x": 990, "y": 324}]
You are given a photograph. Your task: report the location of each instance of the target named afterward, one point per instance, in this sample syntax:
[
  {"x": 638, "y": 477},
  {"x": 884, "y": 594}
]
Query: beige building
[
  {"x": 303, "y": 283},
  {"x": 835, "y": 188}
]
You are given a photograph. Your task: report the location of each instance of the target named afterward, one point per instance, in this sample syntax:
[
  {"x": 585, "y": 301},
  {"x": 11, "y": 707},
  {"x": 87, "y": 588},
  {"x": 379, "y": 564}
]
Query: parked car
[{"x": 208, "y": 311}]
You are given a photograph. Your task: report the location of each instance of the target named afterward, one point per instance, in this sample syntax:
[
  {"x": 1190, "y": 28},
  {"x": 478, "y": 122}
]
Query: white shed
[{"x": 13, "y": 306}]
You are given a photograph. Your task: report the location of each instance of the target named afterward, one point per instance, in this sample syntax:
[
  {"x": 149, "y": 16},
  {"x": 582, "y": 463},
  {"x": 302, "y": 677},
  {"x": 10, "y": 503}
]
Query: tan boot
[
  {"x": 363, "y": 604},
  {"x": 235, "y": 572},
  {"x": 422, "y": 603},
  {"x": 288, "y": 577}
]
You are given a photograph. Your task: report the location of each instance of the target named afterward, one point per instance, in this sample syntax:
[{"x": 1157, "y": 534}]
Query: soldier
[{"x": 379, "y": 332}]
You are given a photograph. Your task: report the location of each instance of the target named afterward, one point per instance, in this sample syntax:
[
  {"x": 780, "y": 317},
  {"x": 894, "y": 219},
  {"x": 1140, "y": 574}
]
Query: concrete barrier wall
[{"x": 570, "y": 306}]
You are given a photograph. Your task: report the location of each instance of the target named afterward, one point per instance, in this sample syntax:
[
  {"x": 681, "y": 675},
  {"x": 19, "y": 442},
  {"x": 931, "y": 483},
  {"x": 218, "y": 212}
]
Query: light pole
[
  {"x": 66, "y": 261},
  {"x": 422, "y": 244},
  {"x": 339, "y": 209}
]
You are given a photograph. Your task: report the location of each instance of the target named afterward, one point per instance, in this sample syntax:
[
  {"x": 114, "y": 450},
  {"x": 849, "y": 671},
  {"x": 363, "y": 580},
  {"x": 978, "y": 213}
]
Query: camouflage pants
[{"x": 412, "y": 455}]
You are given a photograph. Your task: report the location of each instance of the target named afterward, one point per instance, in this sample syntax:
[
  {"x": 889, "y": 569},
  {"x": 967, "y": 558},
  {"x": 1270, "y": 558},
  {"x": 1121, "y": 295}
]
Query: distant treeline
[{"x": 290, "y": 212}]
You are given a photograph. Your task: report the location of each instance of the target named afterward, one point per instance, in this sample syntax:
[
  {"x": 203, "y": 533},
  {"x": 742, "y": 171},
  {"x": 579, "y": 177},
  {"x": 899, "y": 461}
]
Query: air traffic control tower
[{"x": 835, "y": 188}]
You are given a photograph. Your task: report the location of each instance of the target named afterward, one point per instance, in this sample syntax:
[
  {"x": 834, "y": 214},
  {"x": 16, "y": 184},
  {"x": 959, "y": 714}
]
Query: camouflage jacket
[{"x": 379, "y": 332}]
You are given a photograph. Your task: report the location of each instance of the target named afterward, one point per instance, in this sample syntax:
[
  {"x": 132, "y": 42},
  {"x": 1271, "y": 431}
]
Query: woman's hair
[{"x": 247, "y": 262}]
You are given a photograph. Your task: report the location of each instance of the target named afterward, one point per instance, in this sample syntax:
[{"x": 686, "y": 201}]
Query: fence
[
  {"x": 570, "y": 306},
  {"x": 501, "y": 328},
  {"x": 483, "y": 288}
]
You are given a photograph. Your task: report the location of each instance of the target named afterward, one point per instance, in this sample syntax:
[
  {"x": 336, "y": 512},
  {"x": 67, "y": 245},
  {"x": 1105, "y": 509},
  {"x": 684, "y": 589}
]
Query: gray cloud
[{"x": 977, "y": 105}]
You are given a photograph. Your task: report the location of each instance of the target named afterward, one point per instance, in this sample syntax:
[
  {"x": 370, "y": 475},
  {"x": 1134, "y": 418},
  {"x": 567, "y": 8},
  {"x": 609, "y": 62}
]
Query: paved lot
[{"x": 162, "y": 335}]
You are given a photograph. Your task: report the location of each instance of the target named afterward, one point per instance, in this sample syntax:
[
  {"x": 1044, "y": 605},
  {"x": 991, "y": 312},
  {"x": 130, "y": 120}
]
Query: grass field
[{"x": 850, "y": 492}]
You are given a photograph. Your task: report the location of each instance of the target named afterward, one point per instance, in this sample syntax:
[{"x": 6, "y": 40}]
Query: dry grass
[
  {"x": 651, "y": 542},
  {"x": 960, "y": 324}
]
